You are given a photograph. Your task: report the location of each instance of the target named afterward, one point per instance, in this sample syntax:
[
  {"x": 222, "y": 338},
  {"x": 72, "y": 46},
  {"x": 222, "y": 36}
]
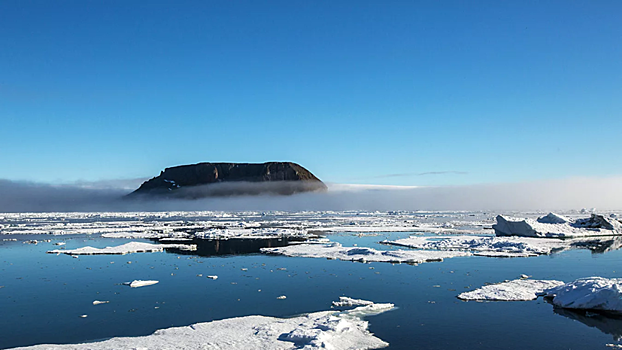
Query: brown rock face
[{"x": 225, "y": 179}]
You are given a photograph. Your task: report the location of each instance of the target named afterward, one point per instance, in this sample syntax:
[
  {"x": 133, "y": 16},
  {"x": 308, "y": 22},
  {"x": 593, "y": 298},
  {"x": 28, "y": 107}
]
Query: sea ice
[
  {"x": 319, "y": 330},
  {"x": 591, "y": 293},
  {"x": 485, "y": 245},
  {"x": 516, "y": 290},
  {"x": 362, "y": 254},
  {"x": 132, "y": 247}
]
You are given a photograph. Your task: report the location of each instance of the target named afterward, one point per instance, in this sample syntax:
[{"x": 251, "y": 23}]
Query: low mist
[{"x": 565, "y": 194}]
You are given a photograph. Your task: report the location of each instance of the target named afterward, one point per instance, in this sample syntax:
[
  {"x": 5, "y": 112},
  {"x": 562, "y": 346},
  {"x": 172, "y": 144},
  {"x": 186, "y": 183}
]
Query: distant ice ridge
[
  {"x": 132, "y": 247},
  {"x": 516, "y": 290},
  {"x": 335, "y": 330},
  {"x": 553, "y": 225},
  {"x": 362, "y": 254},
  {"x": 591, "y": 293}
]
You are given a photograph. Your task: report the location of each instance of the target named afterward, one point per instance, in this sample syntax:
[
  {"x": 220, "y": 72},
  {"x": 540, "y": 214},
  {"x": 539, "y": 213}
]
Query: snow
[
  {"x": 319, "y": 330},
  {"x": 553, "y": 225},
  {"x": 591, "y": 293},
  {"x": 132, "y": 247},
  {"x": 362, "y": 254},
  {"x": 485, "y": 245},
  {"x": 140, "y": 283},
  {"x": 552, "y": 218},
  {"x": 516, "y": 290}
]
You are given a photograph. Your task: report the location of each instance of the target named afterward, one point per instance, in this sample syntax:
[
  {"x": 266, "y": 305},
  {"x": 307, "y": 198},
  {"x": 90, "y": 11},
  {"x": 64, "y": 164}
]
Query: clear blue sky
[{"x": 353, "y": 90}]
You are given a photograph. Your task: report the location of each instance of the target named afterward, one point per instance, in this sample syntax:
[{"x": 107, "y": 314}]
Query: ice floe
[
  {"x": 516, "y": 290},
  {"x": 132, "y": 247},
  {"x": 319, "y": 330},
  {"x": 553, "y": 225},
  {"x": 485, "y": 245},
  {"x": 362, "y": 254},
  {"x": 591, "y": 293},
  {"x": 508, "y": 246}
]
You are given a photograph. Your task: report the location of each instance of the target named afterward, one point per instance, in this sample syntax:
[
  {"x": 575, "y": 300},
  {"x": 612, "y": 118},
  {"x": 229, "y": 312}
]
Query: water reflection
[
  {"x": 606, "y": 323},
  {"x": 599, "y": 245},
  {"x": 208, "y": 248}
]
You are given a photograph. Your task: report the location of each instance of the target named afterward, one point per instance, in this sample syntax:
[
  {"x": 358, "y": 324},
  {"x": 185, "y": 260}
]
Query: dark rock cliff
[{"x": 224, "y": 179}]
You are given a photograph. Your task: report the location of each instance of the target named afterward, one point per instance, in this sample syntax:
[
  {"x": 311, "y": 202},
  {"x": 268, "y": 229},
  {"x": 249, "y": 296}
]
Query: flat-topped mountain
[{"x": 226, "y": 179}]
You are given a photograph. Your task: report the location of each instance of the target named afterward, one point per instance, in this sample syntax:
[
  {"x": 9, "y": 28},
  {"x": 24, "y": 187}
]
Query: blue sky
[{"x": 487, "y": 91}]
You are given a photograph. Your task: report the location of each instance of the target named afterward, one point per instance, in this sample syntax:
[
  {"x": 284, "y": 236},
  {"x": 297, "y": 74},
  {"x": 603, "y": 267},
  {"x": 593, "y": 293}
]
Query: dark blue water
[{"x": 43, "y": 295}]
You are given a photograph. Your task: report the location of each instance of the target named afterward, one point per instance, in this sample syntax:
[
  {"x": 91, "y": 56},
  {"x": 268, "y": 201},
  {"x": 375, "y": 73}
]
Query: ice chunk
[
  {"x": 212, "y": 277},
  {"x": 140, "y": 283},
  {"x": 132, "y": 247},
  {"x": 336, "y": 251},
  {"x": 591, "y": 293},
  {"x": 98, "y": 302},
  {"x": 516, "y": 290}
]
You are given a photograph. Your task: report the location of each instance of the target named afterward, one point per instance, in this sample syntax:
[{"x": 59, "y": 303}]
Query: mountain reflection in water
[{"x": 208, "y": 248}]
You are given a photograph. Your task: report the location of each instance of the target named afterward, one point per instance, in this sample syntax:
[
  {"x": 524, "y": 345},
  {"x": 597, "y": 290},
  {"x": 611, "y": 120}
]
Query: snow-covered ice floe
[
  {"x": 132, "y": 247},
  {"x": 553, "y": 225},
  {"x": 362, "y": 254},
  {"x": 319, "y": 330},
  {"x": 591, "y": 293},
  {"x": 516, "y": 290}
]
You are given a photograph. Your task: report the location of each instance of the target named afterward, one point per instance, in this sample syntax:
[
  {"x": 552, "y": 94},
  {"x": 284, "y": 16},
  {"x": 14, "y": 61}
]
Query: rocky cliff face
[{"x": 223, "y": 179}]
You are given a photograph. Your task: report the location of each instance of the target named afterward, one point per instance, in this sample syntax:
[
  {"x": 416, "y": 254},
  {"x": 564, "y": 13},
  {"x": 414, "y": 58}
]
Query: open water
[{"x": 42, "y": 296}]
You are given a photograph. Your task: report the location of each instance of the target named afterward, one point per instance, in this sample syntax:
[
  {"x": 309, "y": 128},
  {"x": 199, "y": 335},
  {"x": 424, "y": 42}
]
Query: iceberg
[{"x": 319, "y": 330}]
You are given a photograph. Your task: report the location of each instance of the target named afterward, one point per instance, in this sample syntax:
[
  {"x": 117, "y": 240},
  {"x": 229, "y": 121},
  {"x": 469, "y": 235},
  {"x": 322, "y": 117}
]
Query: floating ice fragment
[
  {"x": 98, "y": 302},
  {"x": 140, "y": 283},
  {"x": 212, "y": 277},
  {"x": 281, "y": 297}
]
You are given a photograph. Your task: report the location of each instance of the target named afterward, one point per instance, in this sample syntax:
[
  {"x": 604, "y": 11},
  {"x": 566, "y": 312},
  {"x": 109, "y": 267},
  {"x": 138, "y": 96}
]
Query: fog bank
[{"x": 563, "y": 194}]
